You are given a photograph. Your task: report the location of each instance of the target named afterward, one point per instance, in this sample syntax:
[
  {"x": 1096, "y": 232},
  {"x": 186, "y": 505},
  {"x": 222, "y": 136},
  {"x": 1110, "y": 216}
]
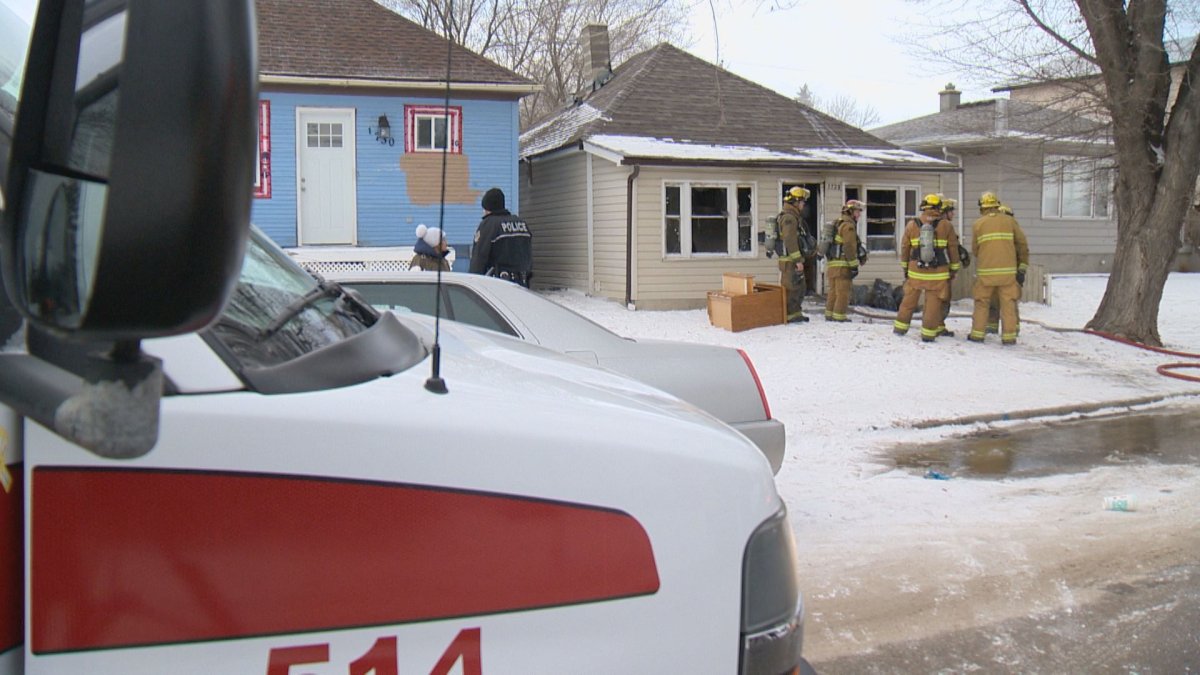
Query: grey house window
[{"x": 1076, "y": 187}]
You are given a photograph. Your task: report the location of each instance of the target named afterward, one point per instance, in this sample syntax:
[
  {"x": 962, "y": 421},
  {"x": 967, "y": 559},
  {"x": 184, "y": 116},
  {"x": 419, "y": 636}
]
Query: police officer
[
  {"x": 791, "y": 258},
  {"x": 929, "y": 261},
  {"x": 1001, "y": 254},
  {"x": 841, "y": 264},
  {"x": 503, "y": 244}
]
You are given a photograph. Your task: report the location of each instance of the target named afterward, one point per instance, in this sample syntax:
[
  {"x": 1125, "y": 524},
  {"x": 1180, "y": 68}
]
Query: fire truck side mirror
[{"x": 126, "y": 199}]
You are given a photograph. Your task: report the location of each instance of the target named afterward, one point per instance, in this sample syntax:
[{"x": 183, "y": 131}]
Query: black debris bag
[
  {"x": 860, "y": 294},
  {"x": 885, "y": 296}
]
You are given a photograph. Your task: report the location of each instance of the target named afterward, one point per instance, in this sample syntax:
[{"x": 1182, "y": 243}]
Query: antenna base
[{"x": 436, "y": 385}]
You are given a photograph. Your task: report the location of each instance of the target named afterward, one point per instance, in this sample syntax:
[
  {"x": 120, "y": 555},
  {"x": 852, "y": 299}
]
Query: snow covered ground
[{"x": 887, "y": 555}]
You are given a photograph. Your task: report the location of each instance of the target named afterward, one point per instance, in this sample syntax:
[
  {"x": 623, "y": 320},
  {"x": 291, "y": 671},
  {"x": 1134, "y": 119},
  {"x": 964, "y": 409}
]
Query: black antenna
[{"x": 435, "y": 383}]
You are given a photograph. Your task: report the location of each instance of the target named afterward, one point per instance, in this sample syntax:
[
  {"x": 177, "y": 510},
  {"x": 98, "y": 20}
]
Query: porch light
[{"x": 383, "y": 131}]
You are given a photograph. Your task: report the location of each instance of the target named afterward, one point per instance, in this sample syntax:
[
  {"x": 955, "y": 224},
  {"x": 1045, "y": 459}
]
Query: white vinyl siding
[
  {"x": 555, "y": 206},
  {"x": 672, "y": 281},
  {"x": 555, "y": 203}
]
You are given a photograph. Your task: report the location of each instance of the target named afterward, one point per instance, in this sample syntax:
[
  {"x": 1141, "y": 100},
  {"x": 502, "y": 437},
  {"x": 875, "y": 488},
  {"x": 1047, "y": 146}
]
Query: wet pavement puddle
[{"x": 1167, "y": 437}]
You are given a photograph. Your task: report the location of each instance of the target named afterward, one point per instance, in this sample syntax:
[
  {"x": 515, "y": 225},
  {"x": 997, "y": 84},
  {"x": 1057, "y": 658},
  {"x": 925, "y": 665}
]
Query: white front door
[{"x": 326, "y": 208}]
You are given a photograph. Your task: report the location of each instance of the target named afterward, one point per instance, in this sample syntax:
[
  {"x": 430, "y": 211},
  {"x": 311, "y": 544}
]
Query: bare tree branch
[{"x": 1037, "y": 20}]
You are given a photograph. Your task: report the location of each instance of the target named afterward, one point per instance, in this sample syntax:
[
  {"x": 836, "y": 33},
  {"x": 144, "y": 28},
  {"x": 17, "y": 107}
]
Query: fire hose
[{"x": 1167, "y": 369}]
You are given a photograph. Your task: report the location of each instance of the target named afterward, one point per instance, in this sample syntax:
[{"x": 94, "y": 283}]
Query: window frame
[
  {"x": 262, "y": 174},
  {"x": 1095, "y": 169},
  {"x": 733, "y": 217},
  {"x": 903, "y": 193},
  {"x": 413, "y": 114}
]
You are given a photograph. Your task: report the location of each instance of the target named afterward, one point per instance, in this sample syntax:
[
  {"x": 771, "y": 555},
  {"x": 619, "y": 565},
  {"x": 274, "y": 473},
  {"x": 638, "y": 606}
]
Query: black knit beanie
[{"x": 493, "y": 200}]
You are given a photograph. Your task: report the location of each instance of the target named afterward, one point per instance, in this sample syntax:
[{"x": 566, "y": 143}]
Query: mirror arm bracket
[{"x": 112, "y": 410}]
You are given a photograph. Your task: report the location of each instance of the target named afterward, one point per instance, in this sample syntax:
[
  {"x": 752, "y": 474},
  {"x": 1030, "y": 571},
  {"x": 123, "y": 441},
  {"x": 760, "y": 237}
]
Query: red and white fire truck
[{"x": 207, "y": 471}]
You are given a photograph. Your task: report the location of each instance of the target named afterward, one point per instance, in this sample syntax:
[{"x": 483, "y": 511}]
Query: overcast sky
[{"x": 848, "y": 47}]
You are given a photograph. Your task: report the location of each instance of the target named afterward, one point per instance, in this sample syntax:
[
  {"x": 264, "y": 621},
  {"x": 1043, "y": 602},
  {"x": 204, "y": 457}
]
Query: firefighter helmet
[
  {"x": 949, "y": 204},
  {"x": 931, "y": 202},
  {"x": 989, "y": 200},
  {"x": 853, "y": 204},
  {"x": 1005, "y": 209},
  {"x": 795, "y": 194}
]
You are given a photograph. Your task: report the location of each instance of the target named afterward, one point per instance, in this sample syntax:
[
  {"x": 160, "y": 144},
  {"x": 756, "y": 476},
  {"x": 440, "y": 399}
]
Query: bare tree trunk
[
  {"x": 1140, "y": 268},
  {"x": 1158, "y": 155}
]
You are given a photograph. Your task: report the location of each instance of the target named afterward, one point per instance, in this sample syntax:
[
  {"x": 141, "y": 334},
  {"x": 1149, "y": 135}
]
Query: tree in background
[
  {"x": 540, "y": 38},
  {"x": 842, "y": 107},
  {"x": 1111, "y": 59}
]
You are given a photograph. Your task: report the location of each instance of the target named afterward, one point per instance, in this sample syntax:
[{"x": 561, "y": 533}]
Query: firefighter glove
[
  {"x": 1021, "y": 277},
  {"x": 853, "y": 272}
]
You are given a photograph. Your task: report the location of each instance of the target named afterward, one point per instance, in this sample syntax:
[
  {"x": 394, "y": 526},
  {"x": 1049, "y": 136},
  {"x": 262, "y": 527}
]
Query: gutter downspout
[
  {"x": 637, "y": 168},
  {"x": 961, "y": 204}
]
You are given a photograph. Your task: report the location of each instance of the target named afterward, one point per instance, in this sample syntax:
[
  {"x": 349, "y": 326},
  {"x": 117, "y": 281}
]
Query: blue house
[{"x": 354, "y": 126}]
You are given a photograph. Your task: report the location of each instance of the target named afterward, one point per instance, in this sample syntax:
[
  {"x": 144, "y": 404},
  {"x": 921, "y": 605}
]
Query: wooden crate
[
  {"x": 735, "y": 283},
  {"x": 766, "y": 305}
]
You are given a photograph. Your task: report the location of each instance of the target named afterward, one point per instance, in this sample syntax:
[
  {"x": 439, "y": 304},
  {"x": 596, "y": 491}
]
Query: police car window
[
  {"x": 461, "y": 304},
  {"x": 470, "y": 308},
  {"x": 417, "y": 298}
]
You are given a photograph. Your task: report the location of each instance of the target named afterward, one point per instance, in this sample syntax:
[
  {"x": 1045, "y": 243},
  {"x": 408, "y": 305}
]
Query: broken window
[{"x": 708, "y": 219}]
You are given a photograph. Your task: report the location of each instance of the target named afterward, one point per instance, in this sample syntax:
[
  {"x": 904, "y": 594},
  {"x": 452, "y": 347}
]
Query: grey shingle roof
[
  {"x": 991, "y": 121},
  {"x": 360, "y": 39},
  {"x": 666, "y": 93}
]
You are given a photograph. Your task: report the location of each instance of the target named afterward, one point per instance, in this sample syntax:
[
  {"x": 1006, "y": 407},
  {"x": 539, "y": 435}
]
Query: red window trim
[
  {"x": 410, "y": 126},
  {"x": 262, "y": 186}
]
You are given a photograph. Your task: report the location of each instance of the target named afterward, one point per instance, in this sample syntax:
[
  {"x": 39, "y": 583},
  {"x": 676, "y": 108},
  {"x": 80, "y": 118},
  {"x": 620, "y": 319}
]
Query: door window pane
[{"x": 323, "y": 135}]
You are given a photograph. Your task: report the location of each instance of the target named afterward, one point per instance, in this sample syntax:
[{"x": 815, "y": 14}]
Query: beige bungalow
[{"x": 650, "y": 186}]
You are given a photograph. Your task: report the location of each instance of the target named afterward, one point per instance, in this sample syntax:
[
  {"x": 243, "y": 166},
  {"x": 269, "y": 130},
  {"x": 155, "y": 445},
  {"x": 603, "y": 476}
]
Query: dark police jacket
[{"x": 503, "y": 247}]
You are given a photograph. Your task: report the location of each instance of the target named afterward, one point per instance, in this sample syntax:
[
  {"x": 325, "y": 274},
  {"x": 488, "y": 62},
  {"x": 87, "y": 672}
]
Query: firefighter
[
  {"x": 929, "y": 262},
  {"x": 1001, "y": 255},
  {"x": 841, "y": 262},
  {"x": 791, "y": 257},
  {"x": 949, "y": 206},
  {"x": 993, "y": 322}
]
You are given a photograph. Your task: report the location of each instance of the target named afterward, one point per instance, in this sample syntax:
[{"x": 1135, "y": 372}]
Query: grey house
[
  {"x": 656, "y": 181},
  {"x": 1051, "y": 165}
]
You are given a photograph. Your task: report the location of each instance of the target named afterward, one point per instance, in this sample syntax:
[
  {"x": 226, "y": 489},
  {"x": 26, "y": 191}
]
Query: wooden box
[
  {"x": 765, "y": 305},
  {"x": 735, "y": 283}
]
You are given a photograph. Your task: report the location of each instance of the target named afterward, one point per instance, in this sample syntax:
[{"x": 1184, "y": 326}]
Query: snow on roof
[
  {"x": 558, "y": 129},
  {"x": 668, "y": 148},
  {"x": 957, "y": 139}
]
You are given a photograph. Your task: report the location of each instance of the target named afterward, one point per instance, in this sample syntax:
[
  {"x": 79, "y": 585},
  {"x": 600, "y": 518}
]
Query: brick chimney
[
  {"x": 597, "y": 63},
  {"x": 949, "y": 98}
]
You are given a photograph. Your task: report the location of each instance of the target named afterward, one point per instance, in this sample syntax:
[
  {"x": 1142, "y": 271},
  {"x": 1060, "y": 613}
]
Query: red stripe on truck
[
  {"x": 12, "y": 561},
  {"x": 142, "y": 557}
]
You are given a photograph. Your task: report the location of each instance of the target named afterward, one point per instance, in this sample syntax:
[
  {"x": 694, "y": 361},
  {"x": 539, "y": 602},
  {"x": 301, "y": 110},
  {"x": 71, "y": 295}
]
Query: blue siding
[{"x": 386, "y": 216}]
